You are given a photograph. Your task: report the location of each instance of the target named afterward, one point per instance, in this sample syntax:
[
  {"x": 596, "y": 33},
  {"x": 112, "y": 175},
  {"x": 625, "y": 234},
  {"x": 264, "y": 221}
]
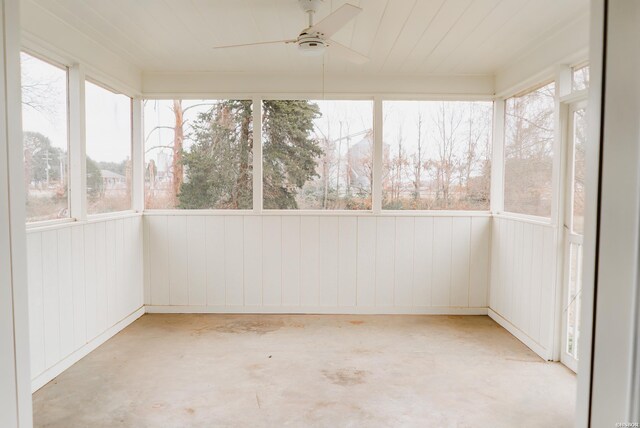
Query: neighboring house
[
  {"x": 360, "y": 162},
  {"x": 112, "y": 180}
]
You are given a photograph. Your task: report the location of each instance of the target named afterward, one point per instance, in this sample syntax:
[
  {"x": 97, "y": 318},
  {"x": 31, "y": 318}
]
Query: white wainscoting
[
  {"x": 85, "y": 285},
  {"x": 523, "y": 281},
  {"x": 316, "y": 264}
]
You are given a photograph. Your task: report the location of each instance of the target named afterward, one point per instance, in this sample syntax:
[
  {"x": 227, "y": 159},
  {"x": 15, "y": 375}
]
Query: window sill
[
  {"x": 39, "y": 226},
  {"x": 94, "y": 218},
  {"x": 320, "y": 213},
  {"x": 543, "y": 221}
]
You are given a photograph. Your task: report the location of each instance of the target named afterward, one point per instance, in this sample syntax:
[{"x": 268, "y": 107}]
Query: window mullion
[
  {"x": 137, "y": 156},
  {"x": 497, "y": 161},
  {"x": 376, "y": 191},
  {"x": 257, "y": 155},
  {"x": 77, "y": 144}
]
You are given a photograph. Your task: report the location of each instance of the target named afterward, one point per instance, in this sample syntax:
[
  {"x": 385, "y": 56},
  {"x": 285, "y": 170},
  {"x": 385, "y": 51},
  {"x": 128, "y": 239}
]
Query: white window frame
[
  {"x": 376, "y": 191},
  {"x": 132, "y": 151},
  {"x": 499, "y": 208},
  {"x": 70, "y": 155}
]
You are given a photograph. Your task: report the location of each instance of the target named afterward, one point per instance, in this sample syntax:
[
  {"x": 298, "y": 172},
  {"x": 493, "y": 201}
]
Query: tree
[
  {"x": 218, "y": 165},
  {"x": 418, "y": 163},
  {"x": 528, "y": 149},
  {"x": 44, "y": 164},
  {"x": 289, "y": 151},
  {"x": 94, "y": 179},
  {"x": 178, "y": 140}
]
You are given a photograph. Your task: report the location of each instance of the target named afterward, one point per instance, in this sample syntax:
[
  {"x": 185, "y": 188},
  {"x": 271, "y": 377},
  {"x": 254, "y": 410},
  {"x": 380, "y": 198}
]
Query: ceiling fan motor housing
[{"x": 311, "y": 44}]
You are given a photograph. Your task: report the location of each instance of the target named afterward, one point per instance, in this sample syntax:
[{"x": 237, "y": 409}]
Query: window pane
[
  {"x": 529, "y": 133},
  {"x": 574, "y": 297},
  {"x": 579, "y": 142},
  {"x": 108, "y": 128},
  {"x": 44, "y": 121},
  {"x": 437, "y": 155},
  {"x": 198, "y": 154},
  {"x": 317, "y": 154},
  {"x": 580, "y": 78}
]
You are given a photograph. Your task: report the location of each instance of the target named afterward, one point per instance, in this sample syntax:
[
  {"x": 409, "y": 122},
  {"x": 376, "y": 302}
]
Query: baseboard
[
  {"x": 51, "y": 373},
  {"x": 344, "y": 310},
  {"x": 521, "y": 336}
]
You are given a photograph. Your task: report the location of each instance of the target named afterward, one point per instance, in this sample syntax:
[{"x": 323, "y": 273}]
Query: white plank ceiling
[{"x": 402, "y": 37}]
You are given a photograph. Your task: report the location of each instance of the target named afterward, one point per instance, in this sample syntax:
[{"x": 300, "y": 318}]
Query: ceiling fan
[{"x": 314, "y": 39}]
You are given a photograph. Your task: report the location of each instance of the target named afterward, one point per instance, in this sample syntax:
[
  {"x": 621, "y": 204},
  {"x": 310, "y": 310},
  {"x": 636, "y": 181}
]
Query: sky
[
  {"x": 50, "y": 119},
  {"x": 108, "y": 124},
  {"x": 356, "y": 116},
  {"x": 401, "y": 118},
  {"x": 108, "y": 115}
]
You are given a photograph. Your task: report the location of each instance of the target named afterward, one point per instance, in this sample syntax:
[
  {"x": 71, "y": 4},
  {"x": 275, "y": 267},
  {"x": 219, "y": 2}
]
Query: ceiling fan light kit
[{"x": 315, "y": 39}]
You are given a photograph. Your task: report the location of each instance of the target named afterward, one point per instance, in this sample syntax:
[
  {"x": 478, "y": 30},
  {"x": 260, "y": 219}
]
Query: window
[
  {"x": 44, "y": 120},
  {"x": 436, "y": 155},
  {"x": 198, "y": 154},
  {"x": 580, "y": 78},
  {"x": 528, "y": 152},
  {"x": 579, "y": 169},
  {"x": 108, "y": 127},
  {"x": 317, "y": 154}
]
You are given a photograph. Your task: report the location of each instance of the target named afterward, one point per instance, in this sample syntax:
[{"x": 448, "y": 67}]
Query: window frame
[
  {"x": 315, "y": 211},
  {"x": 131, "y": 209},
  {"x": 447, "y": 213},
  {"x": 557, "y": 155},
  {"x": 72, "y": 217},
  {"x": 377, "y": 99},
  {"x": 574, "y": 68},
  {"x": 205, "y": 211}
]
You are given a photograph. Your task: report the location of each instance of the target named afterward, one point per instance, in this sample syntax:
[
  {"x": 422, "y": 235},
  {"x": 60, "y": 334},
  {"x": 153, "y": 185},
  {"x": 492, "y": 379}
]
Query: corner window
[
  {"x": 528, "y": 152},
  {"x": 45, "y": 138},
  {"x": 109, "y": 144}
]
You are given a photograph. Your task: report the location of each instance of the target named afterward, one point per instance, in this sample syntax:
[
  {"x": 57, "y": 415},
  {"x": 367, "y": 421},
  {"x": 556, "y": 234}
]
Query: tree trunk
[
  {"x": 178, "y": 139},
  {"x": 246, "y": 147}
]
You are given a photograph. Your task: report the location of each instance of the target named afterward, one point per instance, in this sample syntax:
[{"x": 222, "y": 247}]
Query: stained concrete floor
[{"x": 310, "y": 371}]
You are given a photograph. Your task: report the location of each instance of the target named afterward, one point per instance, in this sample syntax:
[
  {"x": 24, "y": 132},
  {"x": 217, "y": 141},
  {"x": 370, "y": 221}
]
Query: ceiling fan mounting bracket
[{"x": 310, "y": 6}]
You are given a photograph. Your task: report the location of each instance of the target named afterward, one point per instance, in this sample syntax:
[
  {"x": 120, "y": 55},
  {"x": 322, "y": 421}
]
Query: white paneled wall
[
  {"x": 85, "y": 284},
  {"x": 523, "y": 281},
  {"x": 324, "y": 264}
]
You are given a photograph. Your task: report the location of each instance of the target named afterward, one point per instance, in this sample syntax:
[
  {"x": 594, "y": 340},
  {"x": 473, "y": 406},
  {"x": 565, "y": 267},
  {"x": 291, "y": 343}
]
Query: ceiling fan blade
[
  {"x": 255, "y": 44},
  {"x": 347, "y": 53},
  {"x": 334, "y": 22}
]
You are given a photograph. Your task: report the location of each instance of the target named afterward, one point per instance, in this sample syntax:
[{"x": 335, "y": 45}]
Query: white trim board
[
  {"x": 315, "y": 310},
  {"x": 54, "y": 371},
  {"x": 520, "y": 335}
]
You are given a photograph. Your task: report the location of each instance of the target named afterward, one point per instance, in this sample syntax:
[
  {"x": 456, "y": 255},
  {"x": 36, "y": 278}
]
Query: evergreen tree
[
  {"x": 94, "y": 179},
  {"x": 218, "y": 166},
  {"x": 289, "y": 153}
]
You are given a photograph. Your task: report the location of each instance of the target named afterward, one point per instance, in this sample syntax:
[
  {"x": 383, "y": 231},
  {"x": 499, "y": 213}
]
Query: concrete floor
[{"x": 310, "y": 371}]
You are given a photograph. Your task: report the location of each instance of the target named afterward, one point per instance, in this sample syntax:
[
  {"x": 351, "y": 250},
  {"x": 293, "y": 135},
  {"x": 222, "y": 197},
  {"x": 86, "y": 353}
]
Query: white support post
[
  {"x": 15, "y": 378},
  {"x": 562, "y": 88},
  {"x": 377, "y": 156},
  {"x": 137, "y": 156},
  {"x": 257, "y": 155},
  {"x": 497, "y": 158},
  {"x": 77, "y": 144}
]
